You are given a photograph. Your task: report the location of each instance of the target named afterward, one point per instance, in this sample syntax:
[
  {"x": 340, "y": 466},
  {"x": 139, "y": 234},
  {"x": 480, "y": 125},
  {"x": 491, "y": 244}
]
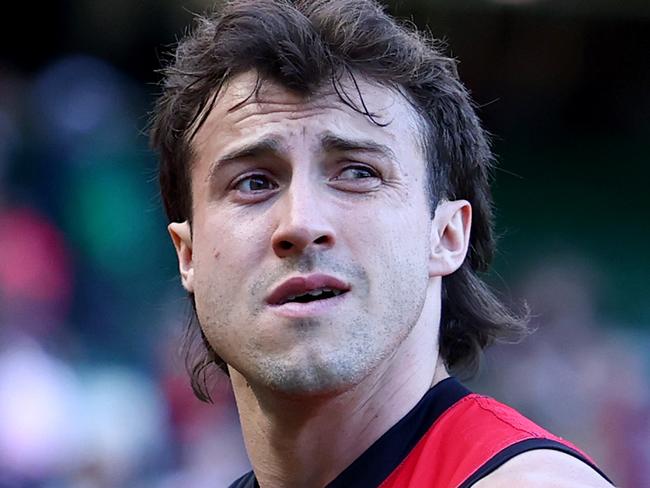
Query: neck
[{"x": 285, "y": 435}]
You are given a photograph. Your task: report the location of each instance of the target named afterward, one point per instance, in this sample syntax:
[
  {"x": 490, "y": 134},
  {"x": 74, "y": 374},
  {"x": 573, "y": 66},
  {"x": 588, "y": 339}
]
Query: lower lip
[{"x": 308, "y": 309}]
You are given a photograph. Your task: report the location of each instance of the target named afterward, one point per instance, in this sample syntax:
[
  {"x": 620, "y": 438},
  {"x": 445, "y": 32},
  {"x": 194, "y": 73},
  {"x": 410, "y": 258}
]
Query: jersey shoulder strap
[{"x": 470, "y": 440}]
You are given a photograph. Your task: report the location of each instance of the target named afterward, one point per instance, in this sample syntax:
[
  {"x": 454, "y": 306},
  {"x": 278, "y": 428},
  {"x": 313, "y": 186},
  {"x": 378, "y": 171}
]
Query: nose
[{"x": 302, "y": 223}]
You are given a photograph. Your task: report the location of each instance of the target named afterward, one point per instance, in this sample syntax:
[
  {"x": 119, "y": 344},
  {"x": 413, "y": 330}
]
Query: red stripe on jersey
[{"x": 462, "y": 440}]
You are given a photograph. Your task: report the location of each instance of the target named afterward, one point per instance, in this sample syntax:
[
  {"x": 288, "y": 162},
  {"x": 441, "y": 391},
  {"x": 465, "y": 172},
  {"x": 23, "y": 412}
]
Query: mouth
[
  {"x": 310, "y": 296},
  {"x": 307, "y": 289}
]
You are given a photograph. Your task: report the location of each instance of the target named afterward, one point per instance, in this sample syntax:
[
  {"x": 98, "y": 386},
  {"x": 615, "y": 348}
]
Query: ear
[
  {"x": 449, "y": 236},
  {"x": 181, "y": 235}
]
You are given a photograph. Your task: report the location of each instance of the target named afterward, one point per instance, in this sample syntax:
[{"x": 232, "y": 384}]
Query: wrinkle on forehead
[{"x": 245, "y": 97}]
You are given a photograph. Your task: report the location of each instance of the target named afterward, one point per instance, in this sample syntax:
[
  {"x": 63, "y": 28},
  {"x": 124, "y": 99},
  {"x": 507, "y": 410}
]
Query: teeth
[{"x": 314, "y": 293}]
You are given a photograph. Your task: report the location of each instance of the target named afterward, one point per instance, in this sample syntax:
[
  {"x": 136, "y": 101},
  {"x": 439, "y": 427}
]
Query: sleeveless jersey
[{"x": 451, "y": 439}]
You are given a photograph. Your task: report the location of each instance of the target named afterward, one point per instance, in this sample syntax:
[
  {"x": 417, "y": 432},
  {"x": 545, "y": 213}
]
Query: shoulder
[
  {"x": 246, "y": 481},
  {"x": 544, "y": 468}
]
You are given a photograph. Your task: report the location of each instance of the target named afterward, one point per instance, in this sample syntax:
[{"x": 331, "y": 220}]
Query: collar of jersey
[{"x": 375, "y": 465}]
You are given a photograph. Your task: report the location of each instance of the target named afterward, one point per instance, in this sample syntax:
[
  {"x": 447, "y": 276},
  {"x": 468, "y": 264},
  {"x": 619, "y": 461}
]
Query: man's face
[{"x": 310, "y": 235}]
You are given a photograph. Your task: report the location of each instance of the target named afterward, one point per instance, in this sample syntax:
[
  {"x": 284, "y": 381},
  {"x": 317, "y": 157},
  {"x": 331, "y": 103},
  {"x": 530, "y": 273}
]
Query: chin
[{"x": 313, "y": 378}]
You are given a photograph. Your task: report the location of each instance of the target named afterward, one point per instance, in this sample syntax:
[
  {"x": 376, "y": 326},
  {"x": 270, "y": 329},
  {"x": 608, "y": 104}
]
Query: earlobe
[
  {"x": 450, "y": 232},
  {"x": 181, "y": 234}
]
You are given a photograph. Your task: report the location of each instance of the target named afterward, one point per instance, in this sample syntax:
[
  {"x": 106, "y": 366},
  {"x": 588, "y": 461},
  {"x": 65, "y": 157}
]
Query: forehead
[{"x": 246, "y": 107}]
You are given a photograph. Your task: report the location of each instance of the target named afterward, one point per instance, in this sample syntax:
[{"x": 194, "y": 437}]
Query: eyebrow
[
  {"x": 333, "y": 142},
  {"x": 329, "y": 142},
  {"x": 265, "y": 146},
  {"x": 268, "y": 145}
]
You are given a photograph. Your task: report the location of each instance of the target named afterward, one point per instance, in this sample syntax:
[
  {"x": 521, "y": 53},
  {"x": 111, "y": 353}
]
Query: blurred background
[{"x": 92, "y": 390}]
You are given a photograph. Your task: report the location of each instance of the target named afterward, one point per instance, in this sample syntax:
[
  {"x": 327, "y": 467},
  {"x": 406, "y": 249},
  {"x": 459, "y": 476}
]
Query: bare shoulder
[{"x": 545, "y": 468}]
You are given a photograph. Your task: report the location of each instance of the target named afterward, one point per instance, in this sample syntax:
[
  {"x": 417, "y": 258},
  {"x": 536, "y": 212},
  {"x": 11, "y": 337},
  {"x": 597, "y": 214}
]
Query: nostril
[
  {"x": 285, "y": 245},
  {"x": 297, "y": 242}
]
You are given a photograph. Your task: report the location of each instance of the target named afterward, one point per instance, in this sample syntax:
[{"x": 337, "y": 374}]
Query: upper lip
[{"x": 299, "y": 285}]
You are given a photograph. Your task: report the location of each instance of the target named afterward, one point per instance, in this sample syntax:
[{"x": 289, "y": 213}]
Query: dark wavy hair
[{"x": 304, "y": 45}]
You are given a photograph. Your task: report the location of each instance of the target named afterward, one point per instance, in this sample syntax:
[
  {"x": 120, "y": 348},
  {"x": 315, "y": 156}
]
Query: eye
[
  {"x": 255, "y": 183},
  {"x": 356, "y": 172},
  {"x": 357, "y": 178}
]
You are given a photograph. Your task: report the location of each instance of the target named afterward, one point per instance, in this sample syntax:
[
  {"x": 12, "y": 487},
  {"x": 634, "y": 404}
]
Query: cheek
[
  {"x": 228, "y": 240},
  {"x": 210, "y": 258},
  {"x": 394, "y": 249},
  {"x": 227, "y": 254},
  {"x": 382, "y": 234}
]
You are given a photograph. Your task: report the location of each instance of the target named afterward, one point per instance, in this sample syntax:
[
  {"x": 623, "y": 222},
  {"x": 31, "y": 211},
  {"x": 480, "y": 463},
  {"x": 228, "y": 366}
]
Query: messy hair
[{"x": 304, "y": 45}]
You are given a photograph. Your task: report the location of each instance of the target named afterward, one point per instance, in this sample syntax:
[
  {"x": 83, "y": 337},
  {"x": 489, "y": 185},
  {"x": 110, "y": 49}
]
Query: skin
[
  {"x": 274, "y": 197},
  {"x": 544, "y": 468}
]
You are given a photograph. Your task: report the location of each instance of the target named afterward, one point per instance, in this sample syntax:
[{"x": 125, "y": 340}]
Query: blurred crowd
[
  {"x": 92, "y": 390},
  {"x": 578, "y": 375}
]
